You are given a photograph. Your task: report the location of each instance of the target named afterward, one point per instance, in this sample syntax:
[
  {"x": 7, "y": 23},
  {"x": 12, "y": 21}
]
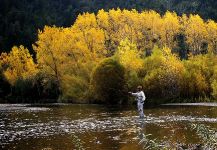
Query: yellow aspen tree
[
  {"x": 130, "y": 25},
  {"x": 103, "y": 23},
  {"x": 183, "y": 22},
  {"x": 49, "y": 52},
  {"x": 68, "y": 55},
  {"x": 196, "y": 34},
  {"x": 129, "y": 56},
  {"x": 77, "y": 53},
  {"x": 115, "y": 19},
  {"x": 171, "y": 28},
  {"x": 90, "y": 38},
  {"x": 103, "y": 19},
  {"x": 150, "y": 27},
  {"x": 118, "y": 25},
  {"x": 19, "y": 65},
  {"x": 212, "y": 36}
]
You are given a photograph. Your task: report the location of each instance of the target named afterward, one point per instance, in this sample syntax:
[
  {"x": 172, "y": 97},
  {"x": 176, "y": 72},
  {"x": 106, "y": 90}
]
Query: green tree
[{"x": 108, "y": 82}]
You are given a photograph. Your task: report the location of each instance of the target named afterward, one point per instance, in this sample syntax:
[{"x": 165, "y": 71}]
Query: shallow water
[{"x": 66, "y": 127}]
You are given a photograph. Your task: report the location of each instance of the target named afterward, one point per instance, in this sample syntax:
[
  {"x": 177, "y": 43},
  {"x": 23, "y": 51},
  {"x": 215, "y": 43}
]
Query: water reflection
[
  {"x": 141, "y": 130},
  {"x": 62, "y": 127}
]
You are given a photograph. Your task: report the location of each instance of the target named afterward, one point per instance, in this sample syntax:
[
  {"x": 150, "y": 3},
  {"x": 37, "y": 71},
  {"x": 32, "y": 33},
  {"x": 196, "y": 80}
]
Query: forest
[
  {"x": 103, "y": 55},
  {"x": 20, "y": 20},
  {"x": 69, "y": 70}
]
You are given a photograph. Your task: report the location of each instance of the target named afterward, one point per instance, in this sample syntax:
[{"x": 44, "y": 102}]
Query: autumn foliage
[{"x": 171, "y": 56}]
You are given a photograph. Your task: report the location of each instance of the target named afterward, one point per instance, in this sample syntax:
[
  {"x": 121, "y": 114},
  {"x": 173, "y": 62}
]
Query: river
[{"x": 67, "y": 127}]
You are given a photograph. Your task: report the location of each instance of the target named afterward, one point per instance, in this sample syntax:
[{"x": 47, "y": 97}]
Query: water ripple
[{"x": 21, "y": 130}]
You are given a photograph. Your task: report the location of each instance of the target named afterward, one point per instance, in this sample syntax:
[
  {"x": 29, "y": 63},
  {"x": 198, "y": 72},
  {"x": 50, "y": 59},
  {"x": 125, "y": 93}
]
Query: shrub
[
  {"x": 74, "y": 89},
  {"x": 163, "y": 74},
  {"x": 214, "y": 83},
  {"x": 108, "y": 82},
  {"x": 214, "y": 89},
  {"x": 196, "y": 79}
]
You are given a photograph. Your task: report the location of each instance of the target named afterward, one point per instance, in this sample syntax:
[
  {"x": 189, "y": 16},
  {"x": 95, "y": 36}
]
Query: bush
[
  {"x": 133, "y": 80},
  {"x": 163, "y": 74},
  {"x": 108, "y": 82},
  {"x": 214, "y": 89},
  {"x": 214, "y": 83},
  {"x": 196, "y": 79},
  {"x": 74, "y": 89},
  {"x": 4, "y": 87}
]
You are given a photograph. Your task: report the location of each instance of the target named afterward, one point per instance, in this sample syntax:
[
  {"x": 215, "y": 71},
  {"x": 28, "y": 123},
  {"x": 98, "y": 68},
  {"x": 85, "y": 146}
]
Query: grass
[{"x": 207, "y": 134}]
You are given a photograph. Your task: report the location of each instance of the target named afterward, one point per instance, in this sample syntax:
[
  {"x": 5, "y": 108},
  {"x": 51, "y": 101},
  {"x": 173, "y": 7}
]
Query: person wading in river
[{"x": 140, "y": 98}]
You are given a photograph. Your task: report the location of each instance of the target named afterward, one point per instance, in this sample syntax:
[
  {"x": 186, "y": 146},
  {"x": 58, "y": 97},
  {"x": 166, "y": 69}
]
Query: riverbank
[
  {"x": 149, "y": 102},
  {"x": 191, "y": 104}
]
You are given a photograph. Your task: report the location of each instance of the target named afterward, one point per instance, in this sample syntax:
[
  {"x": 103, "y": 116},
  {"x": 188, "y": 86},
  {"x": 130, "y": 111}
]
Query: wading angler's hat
[{"x": 139, "y": 87}]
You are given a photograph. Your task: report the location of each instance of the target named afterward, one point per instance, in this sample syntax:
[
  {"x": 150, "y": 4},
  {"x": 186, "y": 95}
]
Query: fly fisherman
[{"x": 140, "y": 98}]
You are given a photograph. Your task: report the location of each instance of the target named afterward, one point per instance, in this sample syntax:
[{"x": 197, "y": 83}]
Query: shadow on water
[{"x": 99, "y": 127}]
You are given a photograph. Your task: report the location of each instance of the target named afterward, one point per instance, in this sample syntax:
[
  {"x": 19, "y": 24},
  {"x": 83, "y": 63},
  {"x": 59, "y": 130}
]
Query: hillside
[{"x": 20, "y": 20}]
